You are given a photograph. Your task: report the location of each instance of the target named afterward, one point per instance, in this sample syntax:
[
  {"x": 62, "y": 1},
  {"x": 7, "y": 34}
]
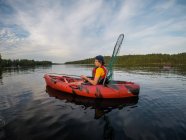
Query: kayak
[{"x": 114, "y": 89}]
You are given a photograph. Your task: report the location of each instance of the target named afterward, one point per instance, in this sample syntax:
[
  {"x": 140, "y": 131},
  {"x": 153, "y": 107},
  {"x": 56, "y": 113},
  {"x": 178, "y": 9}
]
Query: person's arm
[{"x": 93, "y": 82}]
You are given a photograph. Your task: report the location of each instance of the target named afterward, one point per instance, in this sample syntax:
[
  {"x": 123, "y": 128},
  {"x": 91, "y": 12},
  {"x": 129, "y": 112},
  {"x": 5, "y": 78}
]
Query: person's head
[{"x": 99, "y": 61}]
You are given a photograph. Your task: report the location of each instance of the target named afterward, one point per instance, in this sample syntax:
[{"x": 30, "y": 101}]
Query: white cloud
[{"x": 61, "y": 31}]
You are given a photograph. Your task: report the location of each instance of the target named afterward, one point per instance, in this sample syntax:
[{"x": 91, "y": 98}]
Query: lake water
[{"x": 28, "y": 112}]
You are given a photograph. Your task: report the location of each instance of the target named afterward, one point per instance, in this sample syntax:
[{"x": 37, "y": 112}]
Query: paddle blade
[
  {"x": 118, "y": 45},
  {"x": 114, "y": 54}
]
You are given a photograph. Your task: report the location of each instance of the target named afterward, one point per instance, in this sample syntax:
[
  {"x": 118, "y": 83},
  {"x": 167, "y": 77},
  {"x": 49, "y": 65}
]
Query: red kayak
[{"x": 115, "y": 89}]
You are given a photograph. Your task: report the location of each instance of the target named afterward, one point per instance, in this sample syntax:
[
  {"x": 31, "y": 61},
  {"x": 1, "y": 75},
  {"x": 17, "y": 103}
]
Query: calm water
[{"x": 28, "y": 112}]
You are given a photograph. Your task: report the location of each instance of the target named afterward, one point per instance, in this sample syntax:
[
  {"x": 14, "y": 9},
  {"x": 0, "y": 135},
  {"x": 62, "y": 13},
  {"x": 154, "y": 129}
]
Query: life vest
[{"x": 102, "y": 77}]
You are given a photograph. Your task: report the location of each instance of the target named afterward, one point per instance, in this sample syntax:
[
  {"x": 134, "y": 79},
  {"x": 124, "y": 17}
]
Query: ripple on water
[{"x": 28, "y": 112}]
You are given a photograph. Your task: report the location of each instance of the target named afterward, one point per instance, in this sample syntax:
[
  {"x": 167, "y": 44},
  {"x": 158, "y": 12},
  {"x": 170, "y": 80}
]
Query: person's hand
[{"x": 84, "y": 77}]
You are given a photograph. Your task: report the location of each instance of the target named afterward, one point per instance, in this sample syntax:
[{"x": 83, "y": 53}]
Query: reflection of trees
[
  {"x": 154, "y": 70},
  {"x": 101, "y": 106},
  {"x": 18, "y": 70},
  {"x": 1, "y": 77},
  {"x": 24, "y": 69}
]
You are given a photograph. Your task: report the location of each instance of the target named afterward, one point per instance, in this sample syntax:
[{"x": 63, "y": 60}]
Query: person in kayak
[{"x": 98, "y": 73}]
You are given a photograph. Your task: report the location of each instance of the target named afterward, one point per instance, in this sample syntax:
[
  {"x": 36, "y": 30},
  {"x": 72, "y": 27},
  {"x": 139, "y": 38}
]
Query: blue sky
[{"x": 65, "y": 30}]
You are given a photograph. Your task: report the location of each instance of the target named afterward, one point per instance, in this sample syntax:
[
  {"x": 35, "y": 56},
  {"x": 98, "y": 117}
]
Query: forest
[
  {"x": 22, "y": 62},
  {"x": 151, "y": 60}
]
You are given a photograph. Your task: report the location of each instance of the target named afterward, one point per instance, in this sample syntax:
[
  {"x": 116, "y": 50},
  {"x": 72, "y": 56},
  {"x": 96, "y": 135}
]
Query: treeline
[
  {"x": 22, "y": 62},
  {"x": 142, "y": 60}
]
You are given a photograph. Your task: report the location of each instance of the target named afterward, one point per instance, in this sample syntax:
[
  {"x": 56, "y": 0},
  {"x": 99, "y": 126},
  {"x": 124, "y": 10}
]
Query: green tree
[
  {"x": 0, "y": 60},
  {"x": 142, "y": 60}
]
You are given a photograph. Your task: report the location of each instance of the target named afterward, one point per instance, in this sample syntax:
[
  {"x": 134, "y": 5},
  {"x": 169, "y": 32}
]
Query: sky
[{"x": 67, "y": 30}]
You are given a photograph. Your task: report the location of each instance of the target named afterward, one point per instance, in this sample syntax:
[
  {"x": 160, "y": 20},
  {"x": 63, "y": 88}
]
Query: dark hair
[{"x": 100, "y": 59}]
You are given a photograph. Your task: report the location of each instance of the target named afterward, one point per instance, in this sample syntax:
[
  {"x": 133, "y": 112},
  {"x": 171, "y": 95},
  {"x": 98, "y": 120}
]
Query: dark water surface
[{"x": 28, "y": 112}]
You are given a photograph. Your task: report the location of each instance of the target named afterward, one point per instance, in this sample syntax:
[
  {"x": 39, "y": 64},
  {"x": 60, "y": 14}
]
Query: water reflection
[
  {"x": 1, "y": 78},
  {"x": 153, "y": 70},
  {"x": 26, "y": 109},
  {"x": 21, "y": 69},
  {"x": 8, "y": 71},
  {"x": 101, "y": 106}
]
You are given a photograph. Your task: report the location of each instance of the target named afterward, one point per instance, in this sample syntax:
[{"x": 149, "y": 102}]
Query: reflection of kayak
[
  {"x": 115, "y": 89},
  {"x": 91, "y": 102}
]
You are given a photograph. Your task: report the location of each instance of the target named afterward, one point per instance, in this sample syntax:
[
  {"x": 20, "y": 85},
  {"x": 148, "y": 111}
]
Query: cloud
[{"x": 69, "y": 30}]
